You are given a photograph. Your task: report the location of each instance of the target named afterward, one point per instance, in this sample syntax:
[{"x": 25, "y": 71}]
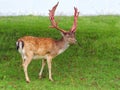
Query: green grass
[{"x": 94, "y": 65}]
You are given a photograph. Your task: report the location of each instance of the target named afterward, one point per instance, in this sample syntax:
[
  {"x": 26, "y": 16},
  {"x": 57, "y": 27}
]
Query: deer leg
[
  {"x": 25, "y": 66},
  {"x": 49, "y": 61},
  {"x": 43, "y": 65},
  {"x": 23, "y": 58}
]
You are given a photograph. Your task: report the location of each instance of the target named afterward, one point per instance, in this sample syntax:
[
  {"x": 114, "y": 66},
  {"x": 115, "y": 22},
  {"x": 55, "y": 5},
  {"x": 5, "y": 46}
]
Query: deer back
[{"x": 38, "y": 47}]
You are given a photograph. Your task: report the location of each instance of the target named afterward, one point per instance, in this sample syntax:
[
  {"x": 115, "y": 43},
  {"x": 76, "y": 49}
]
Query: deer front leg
[
  {"x": 49, "y": 61},
  {"x": 43, "y": 65},
  {"x": 25, "y": 66}
]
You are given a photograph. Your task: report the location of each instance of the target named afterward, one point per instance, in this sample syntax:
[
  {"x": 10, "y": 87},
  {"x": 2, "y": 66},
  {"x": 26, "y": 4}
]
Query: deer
[{"x": 46, "y": 49}]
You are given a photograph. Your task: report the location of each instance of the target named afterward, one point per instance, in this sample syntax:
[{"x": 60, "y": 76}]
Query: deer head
[{"x": 69, "y": 36}]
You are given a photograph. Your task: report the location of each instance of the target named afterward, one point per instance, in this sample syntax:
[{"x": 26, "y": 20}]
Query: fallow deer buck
[{"x": 46, "y": 48}]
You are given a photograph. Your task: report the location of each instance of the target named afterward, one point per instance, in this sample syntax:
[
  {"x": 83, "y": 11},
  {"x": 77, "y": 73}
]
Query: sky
[{"x": 41, "y": 7}]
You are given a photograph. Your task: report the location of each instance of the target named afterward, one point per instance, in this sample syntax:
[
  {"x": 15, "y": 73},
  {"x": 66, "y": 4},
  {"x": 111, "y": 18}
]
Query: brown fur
[{"x": 38, "y": 45}]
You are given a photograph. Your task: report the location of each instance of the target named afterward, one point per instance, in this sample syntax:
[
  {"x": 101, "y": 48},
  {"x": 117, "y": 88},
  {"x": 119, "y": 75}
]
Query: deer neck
[{"x": 62, "y": 45}]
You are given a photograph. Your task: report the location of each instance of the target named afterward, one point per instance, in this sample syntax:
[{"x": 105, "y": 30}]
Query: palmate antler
[
  {"x": 51, "y": 17},
  {"x": 76, "y": 14},
  {"x": 54, "y": 23}
]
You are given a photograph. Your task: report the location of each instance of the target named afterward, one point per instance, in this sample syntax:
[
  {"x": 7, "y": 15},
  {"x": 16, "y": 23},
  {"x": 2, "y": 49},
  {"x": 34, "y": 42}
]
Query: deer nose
[{"x": 75, "y": 41}]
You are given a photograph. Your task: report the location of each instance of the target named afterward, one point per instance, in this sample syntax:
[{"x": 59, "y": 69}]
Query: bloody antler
[
  {"x": 51, "y": 17},
  {"x": 76, "y": 14}
]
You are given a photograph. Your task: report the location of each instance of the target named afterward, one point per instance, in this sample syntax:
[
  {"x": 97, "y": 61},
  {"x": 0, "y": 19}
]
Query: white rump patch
[{"x": 20, "y": 44}]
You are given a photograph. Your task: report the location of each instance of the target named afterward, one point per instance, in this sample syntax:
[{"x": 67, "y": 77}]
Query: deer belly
[{"x": 39, "y": 57}]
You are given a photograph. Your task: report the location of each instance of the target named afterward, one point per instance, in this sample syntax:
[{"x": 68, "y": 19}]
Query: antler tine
[
  {"x": 51, "y": 17},
  {"x": 76, "y": 14}
]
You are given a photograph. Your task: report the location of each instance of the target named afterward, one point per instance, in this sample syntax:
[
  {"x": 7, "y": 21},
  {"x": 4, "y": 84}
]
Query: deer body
[
  {"x": 45, "y": 48},
  {"x": 42, "y": 47}
]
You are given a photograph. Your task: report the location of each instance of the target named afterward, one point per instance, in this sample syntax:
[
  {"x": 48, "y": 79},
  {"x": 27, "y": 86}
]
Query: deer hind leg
[
  {"x": 25, "y": 66},
  {"x": 49, "y": 61},
  {"x": 42, "y": 68}
]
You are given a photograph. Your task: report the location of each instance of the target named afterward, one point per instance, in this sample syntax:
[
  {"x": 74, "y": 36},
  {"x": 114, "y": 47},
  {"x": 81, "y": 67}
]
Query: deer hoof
[
  {"x": 51, "y": 79},
  {"x": 28, "y": 81},
  {"x": 40, "y": 77}
]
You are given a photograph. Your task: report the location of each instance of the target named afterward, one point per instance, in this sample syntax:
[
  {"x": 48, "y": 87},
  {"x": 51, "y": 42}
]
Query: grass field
[{"x": 94, "y": 65}]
